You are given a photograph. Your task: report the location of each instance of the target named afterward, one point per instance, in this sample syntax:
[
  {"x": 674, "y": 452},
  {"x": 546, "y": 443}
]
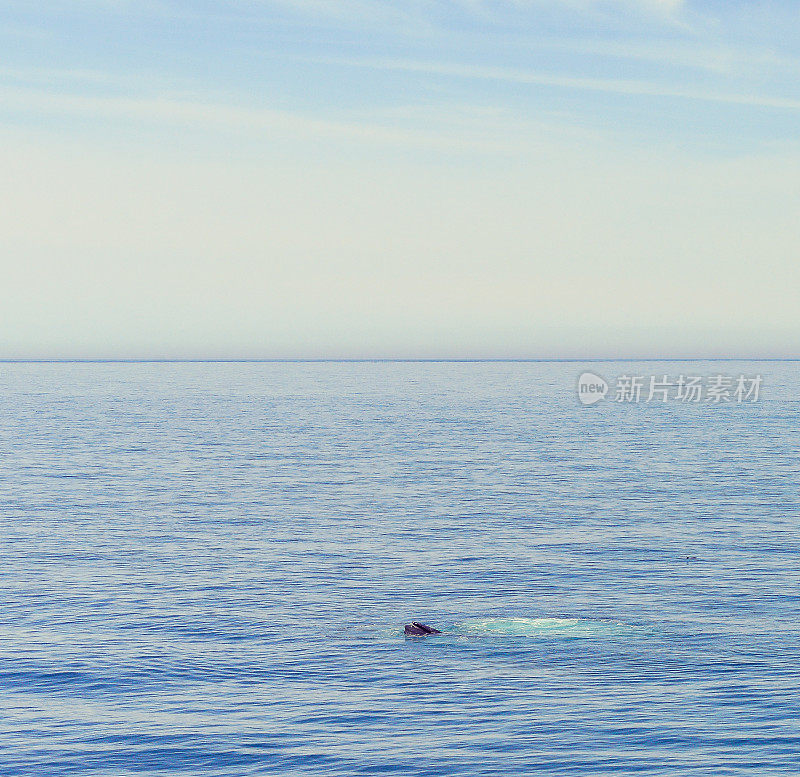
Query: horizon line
[{"x": 391, "y": 359}]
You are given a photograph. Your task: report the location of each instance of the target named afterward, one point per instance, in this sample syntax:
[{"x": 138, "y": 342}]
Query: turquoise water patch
[{"x": 541, "y": 627}]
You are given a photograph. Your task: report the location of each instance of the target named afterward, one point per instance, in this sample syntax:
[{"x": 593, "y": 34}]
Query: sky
[{"x": 415, "y": 179}]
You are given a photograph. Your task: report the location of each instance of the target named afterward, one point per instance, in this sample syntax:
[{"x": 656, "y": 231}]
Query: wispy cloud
[
  {"x": 362, "y": 12},
  {"x": 650, "y": 5},
  {"x": 609, "y": 85},
  {"x": 458, "y": 129}
]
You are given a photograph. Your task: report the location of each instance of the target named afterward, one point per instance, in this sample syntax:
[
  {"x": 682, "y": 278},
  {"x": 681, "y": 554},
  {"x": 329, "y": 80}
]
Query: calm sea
[{"x": 206, "y": 569}]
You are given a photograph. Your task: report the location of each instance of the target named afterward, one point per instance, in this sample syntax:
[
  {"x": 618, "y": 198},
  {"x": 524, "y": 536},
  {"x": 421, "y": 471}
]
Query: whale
[{"x": 417, "y": 629}]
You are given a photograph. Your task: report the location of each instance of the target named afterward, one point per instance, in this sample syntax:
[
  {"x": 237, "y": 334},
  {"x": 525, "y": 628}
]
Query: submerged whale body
[{"x": 416, "y": 629}]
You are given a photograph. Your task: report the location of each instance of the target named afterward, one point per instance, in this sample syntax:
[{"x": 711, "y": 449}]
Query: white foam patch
[{"x": 540, "y": 627}]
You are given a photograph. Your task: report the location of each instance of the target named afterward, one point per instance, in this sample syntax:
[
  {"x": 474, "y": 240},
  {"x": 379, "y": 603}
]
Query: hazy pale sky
[{"x": 509, "y": 178}]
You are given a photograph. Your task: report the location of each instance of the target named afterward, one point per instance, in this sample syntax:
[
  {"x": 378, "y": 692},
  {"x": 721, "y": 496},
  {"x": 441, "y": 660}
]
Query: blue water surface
[{"x": 206, "y": 569}]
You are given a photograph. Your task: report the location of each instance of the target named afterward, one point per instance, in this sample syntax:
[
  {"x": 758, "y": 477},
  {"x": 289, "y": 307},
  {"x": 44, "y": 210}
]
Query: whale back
[{"x": 417, "y": 629}]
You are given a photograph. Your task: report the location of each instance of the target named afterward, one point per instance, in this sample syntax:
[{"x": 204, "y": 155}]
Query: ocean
[{"x": 206, "y": 569}]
